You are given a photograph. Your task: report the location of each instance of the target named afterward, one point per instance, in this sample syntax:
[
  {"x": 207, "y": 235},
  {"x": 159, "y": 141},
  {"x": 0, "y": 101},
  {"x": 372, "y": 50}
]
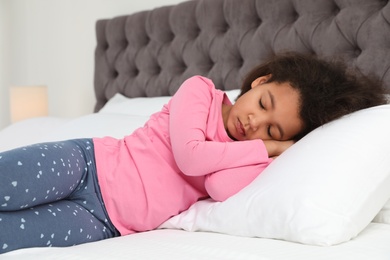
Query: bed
[{"x": 335, "y": 207}]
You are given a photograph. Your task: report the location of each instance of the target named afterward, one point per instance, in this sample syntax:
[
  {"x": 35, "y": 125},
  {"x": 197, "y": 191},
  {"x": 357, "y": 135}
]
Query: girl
[{"x": 199, "y": 145}]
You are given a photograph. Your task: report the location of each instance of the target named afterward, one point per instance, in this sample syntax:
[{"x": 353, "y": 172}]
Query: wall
[
  {"x": 4, "y": 57},
  {"x": 52, "y": 42}
]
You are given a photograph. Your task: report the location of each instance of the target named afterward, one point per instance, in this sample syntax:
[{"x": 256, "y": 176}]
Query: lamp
[{"x": 27, "y": 102}]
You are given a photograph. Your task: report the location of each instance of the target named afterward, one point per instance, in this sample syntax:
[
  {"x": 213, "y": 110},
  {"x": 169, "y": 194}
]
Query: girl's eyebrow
[{"x": 272, "y": 99}]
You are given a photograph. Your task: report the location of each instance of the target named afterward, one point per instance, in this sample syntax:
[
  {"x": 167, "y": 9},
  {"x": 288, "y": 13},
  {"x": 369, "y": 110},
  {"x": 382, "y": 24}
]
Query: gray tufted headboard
[{"x": 151, "y": 53}]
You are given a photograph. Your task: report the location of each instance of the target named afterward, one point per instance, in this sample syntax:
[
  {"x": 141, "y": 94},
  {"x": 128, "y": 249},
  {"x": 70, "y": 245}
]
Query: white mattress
[{"x": 372, "y": 244}]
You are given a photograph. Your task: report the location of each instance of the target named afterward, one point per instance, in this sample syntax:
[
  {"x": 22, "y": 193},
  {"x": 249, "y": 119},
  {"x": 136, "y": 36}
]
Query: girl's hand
[{"x": 275, "y": 148}]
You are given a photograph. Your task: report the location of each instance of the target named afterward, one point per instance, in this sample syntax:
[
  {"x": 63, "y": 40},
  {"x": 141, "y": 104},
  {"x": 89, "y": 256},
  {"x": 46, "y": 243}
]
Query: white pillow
[
  {"x": 141, "y": 106},
  {"x": 387, "y": 96},
  {"x": 232, "y": 94},
  {"x": 323, "y": 190},
  {"x": 383, "y": 215},
  {"x": 144, "y": 106}
]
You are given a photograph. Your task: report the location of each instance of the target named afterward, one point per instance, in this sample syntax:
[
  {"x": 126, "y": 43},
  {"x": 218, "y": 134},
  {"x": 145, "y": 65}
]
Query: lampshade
[{"x": 27, "y": 102}]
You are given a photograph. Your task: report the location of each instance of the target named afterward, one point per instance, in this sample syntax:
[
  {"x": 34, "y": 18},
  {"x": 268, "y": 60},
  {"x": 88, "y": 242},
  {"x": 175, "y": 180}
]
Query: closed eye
[
  {"x": 269, "y": 127},
  {"x": 261, "y": 104},
  {"x": 269, "y": 131}
]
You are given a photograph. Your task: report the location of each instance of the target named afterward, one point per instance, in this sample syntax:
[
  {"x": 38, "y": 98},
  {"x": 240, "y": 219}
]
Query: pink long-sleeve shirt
[{"x": 181, "y": 155}]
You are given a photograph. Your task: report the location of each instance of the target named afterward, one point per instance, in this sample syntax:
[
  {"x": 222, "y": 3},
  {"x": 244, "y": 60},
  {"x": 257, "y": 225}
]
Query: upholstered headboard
[{"x": 151, "y": 53}]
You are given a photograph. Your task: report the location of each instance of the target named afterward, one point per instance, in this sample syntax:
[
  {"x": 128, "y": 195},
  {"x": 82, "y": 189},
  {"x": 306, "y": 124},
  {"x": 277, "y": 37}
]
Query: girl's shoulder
[
  {"x": 199, "y": 84},
  {"x": 199, "y": 81}
]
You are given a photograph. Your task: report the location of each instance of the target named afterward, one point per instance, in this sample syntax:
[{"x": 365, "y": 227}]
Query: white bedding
[{"x": 372, "y": 243}]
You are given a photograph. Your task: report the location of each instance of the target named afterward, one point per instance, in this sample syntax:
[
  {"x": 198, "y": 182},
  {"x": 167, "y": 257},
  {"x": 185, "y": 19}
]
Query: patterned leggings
[{"x": 49, "y": 196}]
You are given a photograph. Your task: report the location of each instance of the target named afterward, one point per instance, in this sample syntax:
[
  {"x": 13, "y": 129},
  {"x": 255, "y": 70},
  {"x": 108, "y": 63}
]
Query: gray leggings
[{"x": 49, "y": 196}]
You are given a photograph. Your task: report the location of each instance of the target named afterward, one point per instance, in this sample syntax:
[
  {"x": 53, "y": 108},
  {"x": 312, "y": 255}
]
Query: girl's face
[{"x": 268, "y": 111}]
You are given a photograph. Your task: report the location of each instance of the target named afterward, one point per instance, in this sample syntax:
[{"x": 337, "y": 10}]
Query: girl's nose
[{"x": 253, "y": 122}]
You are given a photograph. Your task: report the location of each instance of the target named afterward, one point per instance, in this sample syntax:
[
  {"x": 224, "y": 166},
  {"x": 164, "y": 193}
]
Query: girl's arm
[
  {"x": 195, "y": 156},
  {"x": 224, "y": 184},
  {"x": 276, "y": 148}
]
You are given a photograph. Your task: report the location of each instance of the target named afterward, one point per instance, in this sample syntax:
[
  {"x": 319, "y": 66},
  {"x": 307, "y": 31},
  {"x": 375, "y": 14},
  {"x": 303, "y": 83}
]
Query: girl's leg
[
  {"x": 47, "y": 189},
  {"x": 39, "y": 174},
  {"x": 62, "y": 223}
]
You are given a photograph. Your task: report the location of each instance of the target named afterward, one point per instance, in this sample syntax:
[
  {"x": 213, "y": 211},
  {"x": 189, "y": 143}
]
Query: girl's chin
[{"x": 231, "y": 137}]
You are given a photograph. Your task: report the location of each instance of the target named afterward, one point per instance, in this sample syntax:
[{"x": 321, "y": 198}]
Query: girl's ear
[{"x": 260, "y": 80}]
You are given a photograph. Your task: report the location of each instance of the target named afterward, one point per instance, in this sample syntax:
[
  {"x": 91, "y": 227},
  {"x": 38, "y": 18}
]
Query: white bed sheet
[
  {"x": 48, "y": 129},
  {"x": 29, "y": 131},
  {"x": 372, "y": 244}
]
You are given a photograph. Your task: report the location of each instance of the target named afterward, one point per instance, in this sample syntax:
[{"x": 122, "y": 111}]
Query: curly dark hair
[{"x": 328, "y": 89}]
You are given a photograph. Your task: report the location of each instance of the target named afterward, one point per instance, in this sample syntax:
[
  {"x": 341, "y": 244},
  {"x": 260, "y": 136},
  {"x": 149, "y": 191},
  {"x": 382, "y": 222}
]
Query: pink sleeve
[
  {"x": 224, "y": 184},
  {"x": 194, "y": 155}
]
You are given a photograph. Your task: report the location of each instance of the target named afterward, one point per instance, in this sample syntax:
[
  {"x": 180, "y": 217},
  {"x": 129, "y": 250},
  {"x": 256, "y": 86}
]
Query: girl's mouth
[{"x": 240, "y": 128}]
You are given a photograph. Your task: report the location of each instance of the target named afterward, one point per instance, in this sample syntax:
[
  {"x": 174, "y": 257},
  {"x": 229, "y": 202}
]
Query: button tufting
[
  {"x": 171, "y": 36},
  {"x": 196, "y": 33},
  {"x": 259, "y": 21},
  {"x": 157, "y": 70},
  {"x": 240, "y": 62},
  {"x": 357, "y": 51},
  {"x": 125, "y": 44},
  {"x": 336, "y": 10},
  {"x": 147, "y": 40},
  {"x": 225, "y": 28},
  {"x": 294, "y": 15}
]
